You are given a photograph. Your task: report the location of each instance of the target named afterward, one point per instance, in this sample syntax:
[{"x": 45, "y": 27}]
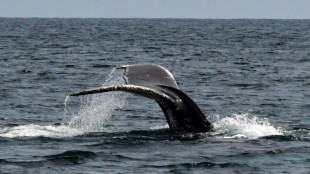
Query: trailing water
[{"x": 94, "y": 110}]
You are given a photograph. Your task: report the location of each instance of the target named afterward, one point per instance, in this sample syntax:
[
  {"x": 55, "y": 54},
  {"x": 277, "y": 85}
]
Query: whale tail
[{"x": 155, "y": 82}]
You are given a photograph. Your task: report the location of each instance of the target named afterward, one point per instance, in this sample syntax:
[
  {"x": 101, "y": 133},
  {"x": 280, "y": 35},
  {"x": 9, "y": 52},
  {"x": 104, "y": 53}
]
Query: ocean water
[{"x": 251, "y": 78}]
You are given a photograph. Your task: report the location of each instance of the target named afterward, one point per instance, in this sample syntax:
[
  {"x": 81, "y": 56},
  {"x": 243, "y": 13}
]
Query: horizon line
[{"x": 197, "y": 18}]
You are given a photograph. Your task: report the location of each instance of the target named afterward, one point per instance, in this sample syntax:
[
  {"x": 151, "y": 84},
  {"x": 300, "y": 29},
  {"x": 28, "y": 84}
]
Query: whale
[{"x": 156, "y": 82}]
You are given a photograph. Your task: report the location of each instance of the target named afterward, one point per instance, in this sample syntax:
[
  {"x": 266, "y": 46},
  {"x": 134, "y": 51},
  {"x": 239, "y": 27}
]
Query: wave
[{"x": 71, "y": 157}]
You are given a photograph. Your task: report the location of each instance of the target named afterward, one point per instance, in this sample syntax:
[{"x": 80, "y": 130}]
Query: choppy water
[{"x": 250, "y": 77}]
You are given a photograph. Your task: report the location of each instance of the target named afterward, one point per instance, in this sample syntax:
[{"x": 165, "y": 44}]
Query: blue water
[{"x": 251, "y": 78}]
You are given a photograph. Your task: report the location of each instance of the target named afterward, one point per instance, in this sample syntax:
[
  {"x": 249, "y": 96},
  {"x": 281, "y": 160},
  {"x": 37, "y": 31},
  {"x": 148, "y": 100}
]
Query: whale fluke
[{"x": 155, "y": 82}]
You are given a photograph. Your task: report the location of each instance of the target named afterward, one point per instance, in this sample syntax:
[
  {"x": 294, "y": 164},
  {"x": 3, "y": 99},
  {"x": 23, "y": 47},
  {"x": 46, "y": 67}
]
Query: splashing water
[
  {"x": 243, "y": 126},
  {"x": 97, "y": 108},
  {"x": 93, "y": 112},
  {"x": 239, "y": 126}
]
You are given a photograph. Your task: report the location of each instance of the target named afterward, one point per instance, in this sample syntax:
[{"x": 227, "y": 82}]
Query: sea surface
[{"x": 251, "y": 78}]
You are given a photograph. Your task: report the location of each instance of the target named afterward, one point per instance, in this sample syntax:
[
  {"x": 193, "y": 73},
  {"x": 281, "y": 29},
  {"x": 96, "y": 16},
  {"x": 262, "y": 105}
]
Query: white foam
[
  {"x": 243, "y": 126},
  {"x": 40, "y": 131},
  {"x": 160, "y": 127}
]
